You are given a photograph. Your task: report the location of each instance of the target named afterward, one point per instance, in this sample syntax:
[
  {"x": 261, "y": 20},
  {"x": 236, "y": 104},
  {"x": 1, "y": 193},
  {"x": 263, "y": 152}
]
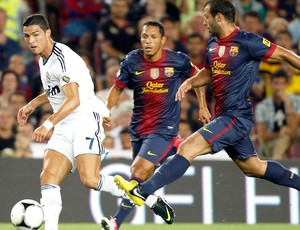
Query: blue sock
[
  {"x": 278, "y": 174},
  {"x": 166, "y": 174},
  {"x": 124, "y": 208}
]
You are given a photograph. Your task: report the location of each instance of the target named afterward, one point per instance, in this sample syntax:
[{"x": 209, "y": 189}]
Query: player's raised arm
[
  {"x": 201, "y": 78},
  {"x": 289, "y": 56}
]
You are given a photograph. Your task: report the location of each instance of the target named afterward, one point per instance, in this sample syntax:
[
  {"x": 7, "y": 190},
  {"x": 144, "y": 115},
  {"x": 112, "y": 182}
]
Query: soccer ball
[{"x": 27, "y": 214}]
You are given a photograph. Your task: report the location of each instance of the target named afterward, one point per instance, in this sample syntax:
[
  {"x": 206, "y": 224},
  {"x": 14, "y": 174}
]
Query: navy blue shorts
[
  {"x": 154, "y": 147},
  {"x": 231, "y": 134}
]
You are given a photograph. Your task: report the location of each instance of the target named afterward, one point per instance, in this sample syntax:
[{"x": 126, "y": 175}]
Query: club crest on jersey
[
  {"x": 66, "y": 79},
  {"x": 47, "y": 75},
  {"x": 154, "y": 73},
  {"x": 169, "y": 71},
  {"x": 221, "y": 51},
  {"x": 234, "y": 51}
]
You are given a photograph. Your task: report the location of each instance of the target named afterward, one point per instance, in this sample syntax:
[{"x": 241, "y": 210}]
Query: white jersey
[{"x": 64, "y": 66}]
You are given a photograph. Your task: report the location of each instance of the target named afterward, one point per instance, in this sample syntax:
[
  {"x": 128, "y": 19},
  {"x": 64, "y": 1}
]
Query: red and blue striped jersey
[
  {"x": 155, "y": 85},
  {"x": 234, "y": 62}
]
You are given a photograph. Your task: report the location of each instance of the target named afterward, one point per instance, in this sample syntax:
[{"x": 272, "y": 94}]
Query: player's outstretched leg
[
  {"x": 160, "y": 206},
  {"x": 108, "y": 224}
]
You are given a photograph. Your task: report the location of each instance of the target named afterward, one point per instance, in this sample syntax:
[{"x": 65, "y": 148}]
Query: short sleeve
[{"x": 259, "y": 47}]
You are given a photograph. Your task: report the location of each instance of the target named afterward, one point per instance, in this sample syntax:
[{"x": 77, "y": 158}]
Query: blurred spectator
[
  {"x": 12, "y": 28},
  {"x": 53, "y": 13},
  {"x": 294, "y": 78},
  {"x": 278, "y": 24},
  {"x": 185, "y": 129},
  {"x": 23, "y": 141},
  {"x": 172, "y": 34},
  {"x": 284, "y": 39},
  {"x": 195, "y": 25},
  {"x": 8, "y": 85},
  {"x": 245, "y": 6},
  {"x": 17, "y": 63},
  {"x": 294, "y": 25},
  {"x": 251, "y": 23},
  {"x": 79, "y": 21},
  {"x": 276, "y": 119},
  {"x": 154, "y": 9},
  {"x": 125, "y": 139},
  {"x": 7, "y": 132},
  {"x": 8, "y": 46},
  {"x": 108, "y": 142},
  {"x": 121, "y": 118},
  {"x": 117, "y": 35},
  {"x": 110, "y": 74},
  {"x": 16, "y": 101},
  {"x": 195, "y": 46},
  {"x": 269, "y": 16}
]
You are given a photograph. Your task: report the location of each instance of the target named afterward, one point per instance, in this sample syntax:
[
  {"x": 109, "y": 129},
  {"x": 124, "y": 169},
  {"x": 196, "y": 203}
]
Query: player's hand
[
  {"x": 183, "y": 89},
  {"x": 40, "y": 133},
  {"x": 24, "y": 113},
  {"x": 204, "y": 115},
  {"x": 106, "y": 121}
]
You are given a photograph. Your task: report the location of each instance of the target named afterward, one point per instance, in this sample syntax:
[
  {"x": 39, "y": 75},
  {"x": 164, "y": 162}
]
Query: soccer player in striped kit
[
  {"x": 232, "y": 60},
  {"x": 155, "y": 74}
]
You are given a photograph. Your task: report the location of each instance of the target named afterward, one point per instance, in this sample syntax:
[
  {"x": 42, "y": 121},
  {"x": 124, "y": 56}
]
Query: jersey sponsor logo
[
  {"x": 234, "y": 51},
  {"x": 266, "y": 42},
  {"x": 221, "y": 51},
  {"x": 66, "y": 79},
  {"x": 154, "y": 73},
  {"x": 207, "y": 130},
  {"x": 139, "y": 72},
  {"x": 219, "y": 68},
  {"x": 211, "y": 49},
  {"x": 169, "y": 71},
  {"x": 51, "y": 91},
  {"x": 154, "y": 87},
  {"x": 151, "y": 154}
]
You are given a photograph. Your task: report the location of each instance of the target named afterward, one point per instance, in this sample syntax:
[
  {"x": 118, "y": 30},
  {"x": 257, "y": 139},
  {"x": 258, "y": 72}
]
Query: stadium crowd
[{"x": 102, "y": 32}]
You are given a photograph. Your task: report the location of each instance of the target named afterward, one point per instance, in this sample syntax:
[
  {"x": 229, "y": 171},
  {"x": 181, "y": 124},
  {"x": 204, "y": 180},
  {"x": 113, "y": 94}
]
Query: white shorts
[{"x": 81, "y": 136}]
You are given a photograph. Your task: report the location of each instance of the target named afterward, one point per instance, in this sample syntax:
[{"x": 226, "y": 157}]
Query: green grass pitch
[{"x": 174, "y": 226}]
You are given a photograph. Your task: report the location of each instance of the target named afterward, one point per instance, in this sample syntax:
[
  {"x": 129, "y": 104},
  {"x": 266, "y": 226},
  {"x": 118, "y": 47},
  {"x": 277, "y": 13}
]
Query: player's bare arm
[
  {"x": 289, "y": 56},
  {"x": 28, "y": 109},
  {"x": 201, "y": 78},
  {"x": 111, "y": 100},
  {"x": 70, "y": 103},
  {"x": 204, "y": 114}
]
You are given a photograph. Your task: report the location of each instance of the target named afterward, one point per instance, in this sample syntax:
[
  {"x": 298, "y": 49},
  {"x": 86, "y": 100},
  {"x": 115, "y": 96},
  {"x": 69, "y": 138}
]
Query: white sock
[
  {"x": 107, "y": 184},
  {"x": 52, "y": 205},
  {"x": 151, "y": 200}
]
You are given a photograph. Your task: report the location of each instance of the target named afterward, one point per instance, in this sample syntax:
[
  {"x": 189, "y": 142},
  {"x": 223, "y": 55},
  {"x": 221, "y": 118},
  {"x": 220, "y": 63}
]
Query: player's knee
[
  {"x": 88, "y": 182},
  {"x": 140, "y": 172}
]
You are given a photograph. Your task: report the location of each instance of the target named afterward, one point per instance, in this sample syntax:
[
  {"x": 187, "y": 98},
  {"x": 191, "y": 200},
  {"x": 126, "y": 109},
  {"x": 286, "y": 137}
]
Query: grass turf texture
[{"x": 174, "y": 226}]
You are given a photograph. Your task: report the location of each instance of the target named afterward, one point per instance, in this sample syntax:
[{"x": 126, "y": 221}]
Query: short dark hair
[
  {"x": 195, "y": 35},
  {"x": 280, "y": 74},
  {"x": 9, "y": 71},
  {"x": 156, "y": 24},
  {"x": 251, "y": 14},
  {"x": 37, "y": 19},
  {"x": 225, "y": 7}
]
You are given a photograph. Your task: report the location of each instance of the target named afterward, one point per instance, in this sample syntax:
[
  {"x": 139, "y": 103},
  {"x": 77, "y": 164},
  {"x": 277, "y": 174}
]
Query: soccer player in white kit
[{"x": 76, "y": 141}]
